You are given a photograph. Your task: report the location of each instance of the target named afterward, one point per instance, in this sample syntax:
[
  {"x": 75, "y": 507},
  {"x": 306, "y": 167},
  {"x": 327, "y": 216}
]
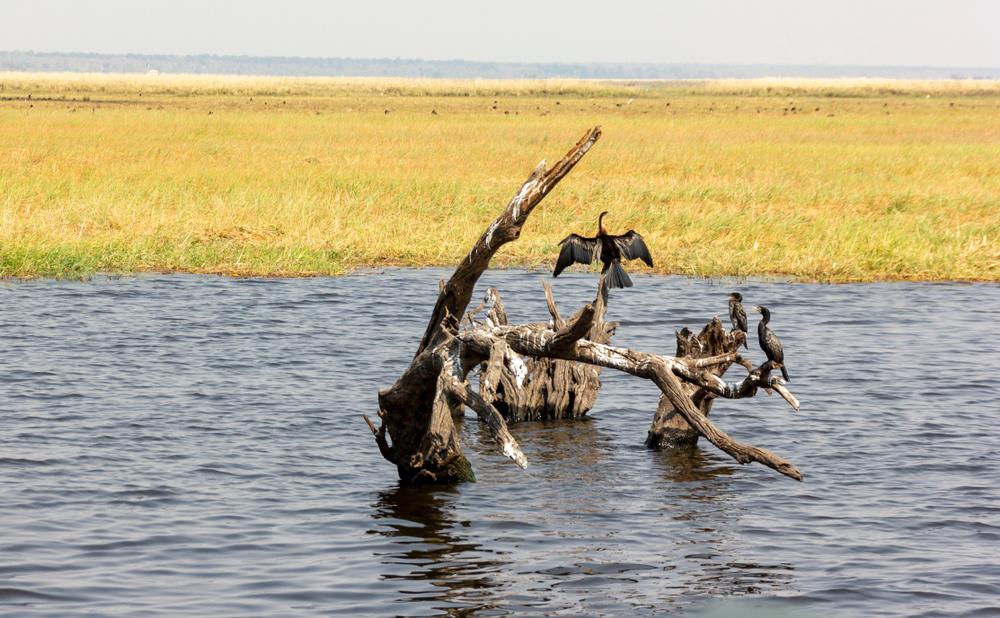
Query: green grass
[{"x": 826, "y": 180}]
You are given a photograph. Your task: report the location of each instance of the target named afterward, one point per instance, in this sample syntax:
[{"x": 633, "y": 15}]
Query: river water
[{"x": 193, "y": 446}]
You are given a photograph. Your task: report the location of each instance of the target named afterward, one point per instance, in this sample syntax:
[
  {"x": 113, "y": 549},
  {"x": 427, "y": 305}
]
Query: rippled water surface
[{"x": 193, "y": 446}]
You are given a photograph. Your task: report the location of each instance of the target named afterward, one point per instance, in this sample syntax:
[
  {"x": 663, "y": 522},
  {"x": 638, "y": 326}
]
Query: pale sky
[{"x": 828, "y": 32}]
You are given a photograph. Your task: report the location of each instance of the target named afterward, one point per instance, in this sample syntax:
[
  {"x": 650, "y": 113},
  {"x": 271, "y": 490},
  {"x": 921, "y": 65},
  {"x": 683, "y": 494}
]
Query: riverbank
[{"x": 850, "y": 180}]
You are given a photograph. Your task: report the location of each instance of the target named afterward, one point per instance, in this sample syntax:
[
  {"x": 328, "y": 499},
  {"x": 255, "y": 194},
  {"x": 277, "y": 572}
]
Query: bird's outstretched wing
[
  {"x": 576, "y": 248},
  {"x": 631, "y": 245}
]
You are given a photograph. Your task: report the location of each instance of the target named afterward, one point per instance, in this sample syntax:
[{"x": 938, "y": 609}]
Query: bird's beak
[{"x": 756, "y": 308}]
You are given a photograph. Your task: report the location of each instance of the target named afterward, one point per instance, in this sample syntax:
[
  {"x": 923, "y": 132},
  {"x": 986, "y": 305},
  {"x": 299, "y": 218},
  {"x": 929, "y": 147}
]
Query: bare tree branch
[
  {"x": 747, "y": 387},
  {"x": 550, "y": 368},
  {"x": 575, "y": 330},
  {"x": 709, "y": 361},
  {"x": 419, "y": 405},
  {"x": 455, "y": 294},
  {"x": 490, "y": 416},
  {"x": 535, "y": 342},
  {"x": 550, "y": 302}
]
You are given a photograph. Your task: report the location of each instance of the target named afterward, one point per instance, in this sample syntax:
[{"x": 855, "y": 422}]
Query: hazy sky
[{"x": 863, "y": 32}]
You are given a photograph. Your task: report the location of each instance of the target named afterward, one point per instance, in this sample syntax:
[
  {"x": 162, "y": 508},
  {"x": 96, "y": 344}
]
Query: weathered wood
[
  {"x": 417, "y": 411},
  {"x": 665, "y": 372},
  {"x": 425, "y": 445},
  {"x": 705, "y": 358},
  {"x": 455, "y": 294},
  {"x": 574, "y": 331},
  {"x": 713, "y": 350},
  {"x": 528, "y": 389},
  {"x": 549, "y": 368},
  {"x": 490, "y": 416},
  {"x": 550, "y": 302}
]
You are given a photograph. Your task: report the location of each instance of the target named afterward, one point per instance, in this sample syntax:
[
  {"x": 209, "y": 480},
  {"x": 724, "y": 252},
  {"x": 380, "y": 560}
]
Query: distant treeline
[{"x": 455, "y": 69}]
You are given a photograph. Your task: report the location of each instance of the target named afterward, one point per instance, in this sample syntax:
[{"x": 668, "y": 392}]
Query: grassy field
[{"x": 825, "y": 180}]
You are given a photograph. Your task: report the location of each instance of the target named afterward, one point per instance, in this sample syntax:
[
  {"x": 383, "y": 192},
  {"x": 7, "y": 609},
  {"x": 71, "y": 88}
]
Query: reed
[{"x": 821, "y": 180}]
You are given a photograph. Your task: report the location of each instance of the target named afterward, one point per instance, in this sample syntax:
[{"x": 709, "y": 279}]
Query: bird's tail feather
[
  {"x": 784, "y": 374},
  {"x": 617, "y": 277}
]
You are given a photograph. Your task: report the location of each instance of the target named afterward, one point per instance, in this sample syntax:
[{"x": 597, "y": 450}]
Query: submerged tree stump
[
  {"x": 710, "y": 353},
  {"x": 533, "y": 389},
  {"x": 544, "y": 370},
  {"x": 669, "y": 429}
]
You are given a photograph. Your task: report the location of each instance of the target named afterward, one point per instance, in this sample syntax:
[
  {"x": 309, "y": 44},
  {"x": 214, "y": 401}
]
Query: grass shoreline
[
  {"x": 822, "y": 180},
  {"x": 529, "y": 267}
]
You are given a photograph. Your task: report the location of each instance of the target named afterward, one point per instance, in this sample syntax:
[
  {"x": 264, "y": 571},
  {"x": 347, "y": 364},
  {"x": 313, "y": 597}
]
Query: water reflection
[
  {"x": 575, "y": 455},
  {"x": 690, "y": 465},
  {"x": 699, "y": 485},
  {"x": 582, "y": 443},
  {"x": 454, "y": 575}
]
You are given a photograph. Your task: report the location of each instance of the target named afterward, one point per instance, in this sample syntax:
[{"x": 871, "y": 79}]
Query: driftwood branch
[
  {"x": 549, "y": 369},
  {"x": 491, "y": 417},
  {"x": 379, "y": 433},
  {"x": 747, "y": 387},
  {"x": 419, "y": 407},
  {"x": 456, "y": 293},
  {"x": 786, "y": 394},
  {"x": 525, "y": 388},
  {"x": 665, "y": 372},
  {"x": 575, "y": 330},
  {"x": 557, "y": 319},
  {"x": 711, "y": 361}
]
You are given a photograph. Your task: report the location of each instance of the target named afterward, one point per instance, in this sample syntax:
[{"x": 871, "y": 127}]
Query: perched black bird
[
  {"x": 769, "y": 342},
  {"x": 737, "y": 315},
  {"x": 610, "y": 249}
]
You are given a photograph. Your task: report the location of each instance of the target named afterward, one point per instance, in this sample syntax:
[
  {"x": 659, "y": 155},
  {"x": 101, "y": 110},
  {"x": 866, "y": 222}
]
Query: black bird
[
  {"x": 610, "y": 249},
  {"x": 737, "y": 315},
  {"x": 769, "y": 342}
]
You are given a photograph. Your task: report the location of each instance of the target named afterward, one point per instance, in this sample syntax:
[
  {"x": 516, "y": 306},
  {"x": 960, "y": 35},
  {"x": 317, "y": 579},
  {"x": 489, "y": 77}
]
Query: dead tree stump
[
  {"x": 534, "y": 389},
  {"x": 417, "y": 432},
  {"x": 669, "y": 429}
]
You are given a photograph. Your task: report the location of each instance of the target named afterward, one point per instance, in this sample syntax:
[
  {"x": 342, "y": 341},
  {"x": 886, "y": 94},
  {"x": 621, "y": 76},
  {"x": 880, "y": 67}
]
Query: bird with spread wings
[{"x": 609, "y": 249}]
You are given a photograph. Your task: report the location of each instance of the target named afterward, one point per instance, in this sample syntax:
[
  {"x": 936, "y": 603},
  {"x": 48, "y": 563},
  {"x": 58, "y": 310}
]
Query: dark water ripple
[{"x": 192, "y": 446}]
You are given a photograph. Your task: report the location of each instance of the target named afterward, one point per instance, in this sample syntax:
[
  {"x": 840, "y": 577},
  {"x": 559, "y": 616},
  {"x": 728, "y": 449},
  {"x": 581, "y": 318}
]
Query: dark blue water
[{"x": 193, "y": 446}]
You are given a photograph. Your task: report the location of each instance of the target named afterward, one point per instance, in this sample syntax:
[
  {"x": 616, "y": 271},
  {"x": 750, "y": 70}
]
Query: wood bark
[
  {"x": 669, "y": 429},
  {"x": 456, "y": 293},
  {"x": 668, "y": 373},
  {"x": 416, "y": 410},
  {"x": 532, "y": 389},
  {"x": 545, "y": 370}
]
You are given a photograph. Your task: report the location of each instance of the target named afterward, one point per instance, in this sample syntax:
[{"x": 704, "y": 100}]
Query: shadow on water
[{"x": 451, "y": 574}]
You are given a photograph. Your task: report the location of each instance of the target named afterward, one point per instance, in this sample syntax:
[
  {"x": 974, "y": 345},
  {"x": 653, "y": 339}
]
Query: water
[{"x": 193, "y": 446}]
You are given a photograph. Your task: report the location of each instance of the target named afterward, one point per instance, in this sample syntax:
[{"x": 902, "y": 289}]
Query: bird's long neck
[
  {"x": 765, "y": 317},
  {"x": 600, "y": 225}
]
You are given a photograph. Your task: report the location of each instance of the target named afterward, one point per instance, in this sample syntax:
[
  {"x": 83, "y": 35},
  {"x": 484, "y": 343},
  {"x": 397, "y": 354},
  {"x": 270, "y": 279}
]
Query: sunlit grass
[{"x": 829, "y": 180}]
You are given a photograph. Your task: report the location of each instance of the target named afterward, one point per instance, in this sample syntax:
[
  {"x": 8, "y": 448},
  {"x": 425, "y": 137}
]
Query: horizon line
[{"x": 633, "y": 63}]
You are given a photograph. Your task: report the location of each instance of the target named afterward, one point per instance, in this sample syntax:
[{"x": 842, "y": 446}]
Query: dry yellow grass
[{"x": 828, "y": 180}]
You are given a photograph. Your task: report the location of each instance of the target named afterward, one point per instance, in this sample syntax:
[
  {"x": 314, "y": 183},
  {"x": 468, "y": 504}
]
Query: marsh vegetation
[{"x": 820, "y": 180}]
